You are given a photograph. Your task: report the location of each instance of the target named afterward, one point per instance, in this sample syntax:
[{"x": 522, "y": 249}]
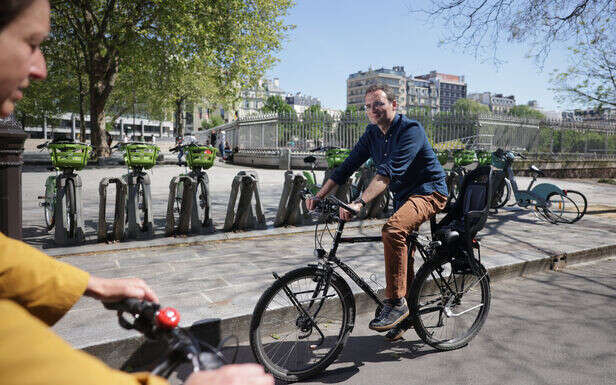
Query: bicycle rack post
[
  {"x": 134, "y": 230},
  {"x": 297, "y": 213},
  {"x": 188, "y": 195},
  {"x": 243, "y": 217},
  {"x": 195, "y": 223},
  {"x": 119, "y": 210},
  {"x": 341, "y": 192},
  {"x": 376, "y": 207},
  {"x": 62, "y": 235},
  {"x": 281, "y": 215}
]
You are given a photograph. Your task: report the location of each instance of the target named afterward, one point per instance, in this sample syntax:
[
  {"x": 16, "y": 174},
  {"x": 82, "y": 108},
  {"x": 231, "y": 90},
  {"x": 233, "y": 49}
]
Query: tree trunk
[
  {"x": 102, "y": 75},
  {"x": 179, "y": 116},
  {"x": 82, "y": 107}
]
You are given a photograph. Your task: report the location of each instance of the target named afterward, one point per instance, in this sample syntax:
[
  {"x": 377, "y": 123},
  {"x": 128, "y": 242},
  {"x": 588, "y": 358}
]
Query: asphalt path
[{"x": 547, "y": 328}]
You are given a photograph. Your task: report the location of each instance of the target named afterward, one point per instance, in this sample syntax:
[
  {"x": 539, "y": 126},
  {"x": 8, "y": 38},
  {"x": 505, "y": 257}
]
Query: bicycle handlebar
[
  {"x": 324, "y": 148},
  {"x": 162, "y": 325},
  {"x": 327, "y": 203}
]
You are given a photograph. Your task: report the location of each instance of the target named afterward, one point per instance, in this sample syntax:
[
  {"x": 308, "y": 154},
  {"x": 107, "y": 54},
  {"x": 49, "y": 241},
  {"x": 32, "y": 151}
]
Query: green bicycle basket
[
  {"x": 484, "y": 158},
  {"x": 141, "y": 155},
  {"x": 464, "y": 157},
  {"x": 497, "y": 162},
  {"x": 442, "y": 156},
  {"x": 69, "y": 155},
  {"x": 336, "y": 156},
  {"x": 200, "y": 156}
]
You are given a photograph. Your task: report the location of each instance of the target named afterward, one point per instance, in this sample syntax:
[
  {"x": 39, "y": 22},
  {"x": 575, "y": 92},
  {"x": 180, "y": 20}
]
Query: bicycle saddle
[
  {"x": 310, "y": 159},
  {"x": 536, "y": 170}
]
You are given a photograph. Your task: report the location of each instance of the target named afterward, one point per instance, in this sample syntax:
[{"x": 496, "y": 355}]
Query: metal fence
[{"x": 445, "y": 131}]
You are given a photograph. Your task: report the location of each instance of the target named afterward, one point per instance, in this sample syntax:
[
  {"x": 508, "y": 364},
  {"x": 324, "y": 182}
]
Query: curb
[
  {"x": 140, "y": 352},
  {"x": 193, "y": 240}
]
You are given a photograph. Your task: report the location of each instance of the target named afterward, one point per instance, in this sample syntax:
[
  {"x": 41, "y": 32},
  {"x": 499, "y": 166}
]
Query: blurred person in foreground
[{"x": 35, "y": 289}]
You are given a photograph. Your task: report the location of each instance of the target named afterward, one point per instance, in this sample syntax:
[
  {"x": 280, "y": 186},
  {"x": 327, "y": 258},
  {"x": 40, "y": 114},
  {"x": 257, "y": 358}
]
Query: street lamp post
[{"x": 12, "y": 138}]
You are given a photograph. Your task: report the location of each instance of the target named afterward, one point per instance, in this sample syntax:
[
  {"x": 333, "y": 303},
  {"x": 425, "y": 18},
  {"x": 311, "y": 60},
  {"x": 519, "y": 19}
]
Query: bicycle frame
[{"x": 539, "y": 194}]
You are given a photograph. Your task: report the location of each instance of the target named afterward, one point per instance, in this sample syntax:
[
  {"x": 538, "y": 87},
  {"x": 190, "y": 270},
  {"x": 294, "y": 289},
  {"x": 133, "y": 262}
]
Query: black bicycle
[
  {"x": 301, "y": 323},
  {"x": 162, "y": 325}
]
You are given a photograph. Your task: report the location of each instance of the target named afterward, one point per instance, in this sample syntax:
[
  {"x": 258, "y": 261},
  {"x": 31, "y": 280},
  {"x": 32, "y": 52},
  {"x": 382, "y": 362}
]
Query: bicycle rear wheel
[
  {"x": 284, "y": 340},
  {"x": 49, "y": 205},
  {"x": 575, "y": 205},
  {"x": 449, "y": 302}
]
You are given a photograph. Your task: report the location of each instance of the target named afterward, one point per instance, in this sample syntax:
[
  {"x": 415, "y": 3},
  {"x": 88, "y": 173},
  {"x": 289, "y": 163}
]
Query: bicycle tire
[
  {"x": 554, "y": 209},
  {"x": 142, "y": 207},
  {"x": 203, "y": 204},
  {"x": 501, "y": 194},
  {"x": 438, "y": 272},
  {"x": 577, "y": 206},
  {"x": 70, "y": 207},
  {"x": 49, "y": 205},
  {"x": 274, "y": 314}
]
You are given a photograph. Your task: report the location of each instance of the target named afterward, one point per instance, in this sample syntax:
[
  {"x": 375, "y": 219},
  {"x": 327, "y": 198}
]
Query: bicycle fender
[
  {"x": 542, "y": 190},
  {"x": 309, "y": 179}
]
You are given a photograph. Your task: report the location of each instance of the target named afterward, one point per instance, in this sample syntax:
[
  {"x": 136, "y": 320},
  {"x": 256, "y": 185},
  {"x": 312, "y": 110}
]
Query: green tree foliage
[
  {"x": 215, "y": 121},
  {"x": 523, "y": 111},
  {"x": 276, "y": 104},
  {"x": 163, "y": 53},
  {"x": 468, "y": 106}
]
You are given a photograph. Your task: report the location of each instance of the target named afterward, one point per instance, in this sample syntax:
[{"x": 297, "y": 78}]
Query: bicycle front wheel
[
  {"x": 49, "y": 205},
  {"x": 142, "y": 207},
  {"x": 70, "y": 206},
  {"x": 449, "y": 302},
  {"x": 296, "y": 343},
  {"x": 203, "y": 204},
  {"x": 501, "y": 194}
]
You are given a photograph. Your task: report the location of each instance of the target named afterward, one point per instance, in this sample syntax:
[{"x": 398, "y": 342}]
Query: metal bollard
[
  {"x": 281, "y": 215},
  {"x": 342, "y": 191},
  {"x": 119, "y": 217},
  {"x": 63, "y": 234},
  {"x": 188, "y": 195},
  {"x": 297, "y": 214}
]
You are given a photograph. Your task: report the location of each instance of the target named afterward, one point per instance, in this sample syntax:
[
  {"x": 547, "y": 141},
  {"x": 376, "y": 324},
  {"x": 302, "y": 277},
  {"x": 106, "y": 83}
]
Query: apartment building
[
  {"x": 450, "y": 88},
  {"x": 300, "y": 102},
  {"x": 253, "y": 99},
  {"x": 423, "y": 94},
  {"x": 497, "y": 103},
  {"x": 358, "y": 82}
]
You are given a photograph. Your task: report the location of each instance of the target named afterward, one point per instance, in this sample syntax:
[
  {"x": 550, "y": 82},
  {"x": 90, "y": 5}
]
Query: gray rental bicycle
[
  {"x": 549, "y": 201},
  {"x": 302, "y": 322}
]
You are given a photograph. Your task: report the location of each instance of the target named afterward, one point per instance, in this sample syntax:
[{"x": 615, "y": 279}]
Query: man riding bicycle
[{"x": 406, "y": 162}]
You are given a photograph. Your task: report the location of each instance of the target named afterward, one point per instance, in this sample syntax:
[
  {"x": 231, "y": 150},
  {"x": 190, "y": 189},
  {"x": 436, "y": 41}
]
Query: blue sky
[{"x": 335, "y": 38}]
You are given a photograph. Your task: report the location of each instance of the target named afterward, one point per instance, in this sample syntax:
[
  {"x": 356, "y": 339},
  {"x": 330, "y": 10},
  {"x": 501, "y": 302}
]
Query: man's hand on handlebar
[
  {"x": 312, "y": 202},
  {"x": 345, "y": 215},
  {"x": 240, "y": 374}
]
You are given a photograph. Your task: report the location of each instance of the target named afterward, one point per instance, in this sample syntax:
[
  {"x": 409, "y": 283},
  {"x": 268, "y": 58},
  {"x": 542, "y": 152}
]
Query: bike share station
[
  {"x": 189, "y": 205},
  {"x": 133, "y": 205},
  {"x": 62, "y": 200}
]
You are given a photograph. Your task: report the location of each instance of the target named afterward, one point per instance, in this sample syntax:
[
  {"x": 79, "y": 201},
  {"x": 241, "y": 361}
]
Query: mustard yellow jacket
[{"x": 35, "y": 292}]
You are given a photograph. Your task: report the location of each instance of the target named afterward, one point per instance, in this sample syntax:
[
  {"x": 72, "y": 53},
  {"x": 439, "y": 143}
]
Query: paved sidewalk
[{"x": 225, "y": 279}]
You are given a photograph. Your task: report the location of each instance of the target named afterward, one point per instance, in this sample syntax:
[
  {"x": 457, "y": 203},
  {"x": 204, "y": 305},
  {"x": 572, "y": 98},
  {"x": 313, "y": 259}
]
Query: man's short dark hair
[
  {"x": 382, "y": 87},
  {"x": 10, "y": 9}
]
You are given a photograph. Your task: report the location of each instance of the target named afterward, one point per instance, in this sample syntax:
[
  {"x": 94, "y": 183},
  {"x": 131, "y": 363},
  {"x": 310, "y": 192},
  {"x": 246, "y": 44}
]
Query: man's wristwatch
[{"x": 360, "y": 201}]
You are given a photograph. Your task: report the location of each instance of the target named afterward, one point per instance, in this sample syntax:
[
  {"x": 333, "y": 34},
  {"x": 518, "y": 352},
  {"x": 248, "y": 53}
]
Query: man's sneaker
[
  {"x": 395, "y": 333},
  {"x": 390, "y": 316}
]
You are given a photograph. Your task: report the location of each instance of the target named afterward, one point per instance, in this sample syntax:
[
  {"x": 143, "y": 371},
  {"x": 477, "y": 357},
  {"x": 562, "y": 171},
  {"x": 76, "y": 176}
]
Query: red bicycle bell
[{"x": 168, "y": 318}]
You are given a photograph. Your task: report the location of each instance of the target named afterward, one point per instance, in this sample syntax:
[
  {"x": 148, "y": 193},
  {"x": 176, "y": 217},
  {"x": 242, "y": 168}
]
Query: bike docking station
[
  {"x": 292, "y": 209},
  {"x": 240, "y": 214},
  {"x": 119, "y": 217},
  {"x": 180, "y": 186},
  {"x": 65, "y": 234}
]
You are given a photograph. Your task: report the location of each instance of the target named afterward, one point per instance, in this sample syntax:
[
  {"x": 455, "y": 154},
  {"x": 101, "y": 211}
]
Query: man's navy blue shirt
[{"x": 404, "y": 155}]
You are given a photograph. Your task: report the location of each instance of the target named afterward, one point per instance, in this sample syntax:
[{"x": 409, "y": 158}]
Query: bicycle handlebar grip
[
  {"x": 129, "y": 305},
  {"x": 343, "y": 205},
  {"x": 42, "y": 145}
]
